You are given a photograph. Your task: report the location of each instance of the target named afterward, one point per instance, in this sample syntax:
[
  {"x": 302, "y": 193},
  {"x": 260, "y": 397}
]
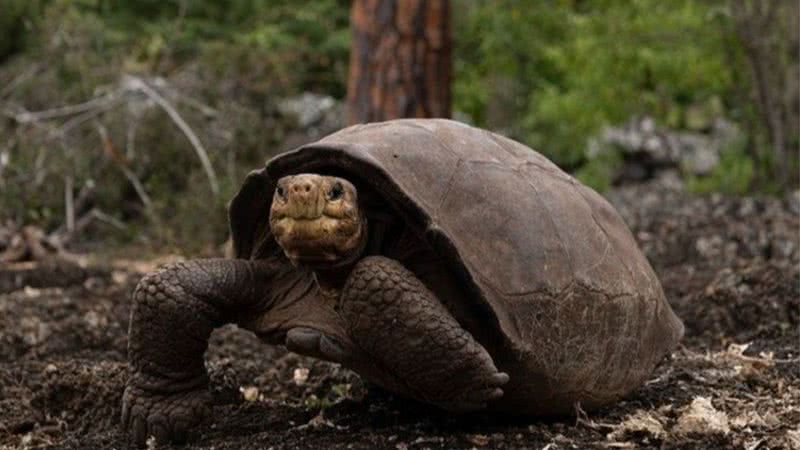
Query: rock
[
  {"x": 647, "y": 148},
  {"x": 309, "y": 108},
  {"x": 793, "y": 439},
  {"x": 784, "y": 248},
  {"x": 300, "y": 376},
  {"x": 35, "y": 331},
  {"x": 793, "y": 202},
  {"x": 669, "y": 179},
  {"x": 315, "y": 115},
  {"x": 749, "y": 419},
  {"x": 747, "y": 207},
  {"x": 708, "y": 247},
  {"x": 640, "y": 136},
  {"x": 480, "y": 440},
  {"x": 249, "y": 393},
  {"x": 699, "y": 155},
  {"x": 638, "y": 423},
  {"x": 699, "y": 418}
]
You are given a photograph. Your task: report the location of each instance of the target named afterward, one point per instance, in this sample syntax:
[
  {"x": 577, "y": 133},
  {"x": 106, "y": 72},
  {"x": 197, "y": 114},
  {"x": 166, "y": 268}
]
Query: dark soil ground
[{"x": 729, "y": 267}]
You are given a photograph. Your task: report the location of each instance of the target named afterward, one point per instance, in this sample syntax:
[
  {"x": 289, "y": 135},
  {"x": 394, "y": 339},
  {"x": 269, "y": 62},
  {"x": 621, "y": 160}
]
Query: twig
[
  {"x": 139, "y": 188},
  {"x": 82, "y": 200},
  {"x": 93, "y": 104},
  {"x": 81, "y": 118},
  {"x": 109, "y": 219},
  {"x": 5, "y": 156},
  {"x": 135, "y": 83},
  {"x": 581, "y": 418},
  {"x": 63, "y": 238},
  {"x": 196, "y": 104},
  {"x": 69, "y": 209},
  {"x": 19, "y": 79},
  {"x": 39, "y": 171},
  {"x": 81, "y": 112},
  {"x": 130, "y": 139},
  {"x": 84, "y": 197},
  {"x": 121, "y": 162}
]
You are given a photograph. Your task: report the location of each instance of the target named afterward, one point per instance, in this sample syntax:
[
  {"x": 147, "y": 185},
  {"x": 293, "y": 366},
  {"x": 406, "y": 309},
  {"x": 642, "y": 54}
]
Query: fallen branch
[
  {"x": 63, "y": 111},
  {"x": 32, "y": 244},
  {"x": 77, "y": 114},
  {"x": 62, "y": 238},
  {"x": 581, "y": 418},
  {"x": 80, "y": 119}
]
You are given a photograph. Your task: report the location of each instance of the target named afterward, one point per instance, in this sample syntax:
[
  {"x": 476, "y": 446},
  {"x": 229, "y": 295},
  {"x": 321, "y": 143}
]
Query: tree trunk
[
  {"x": 767, "y": 30},
  {"x": 400, "y": 63}
]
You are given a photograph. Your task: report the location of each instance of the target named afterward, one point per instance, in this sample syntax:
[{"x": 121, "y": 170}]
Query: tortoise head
[{"x": 317, "y": 221}]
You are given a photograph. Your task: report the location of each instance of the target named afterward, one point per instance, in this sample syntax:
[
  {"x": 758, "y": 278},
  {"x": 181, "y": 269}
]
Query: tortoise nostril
[{"x": 302, "y": 188}]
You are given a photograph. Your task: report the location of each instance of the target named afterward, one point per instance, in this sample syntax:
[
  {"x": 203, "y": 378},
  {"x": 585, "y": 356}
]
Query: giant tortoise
[{"x": 440, "y": 261}]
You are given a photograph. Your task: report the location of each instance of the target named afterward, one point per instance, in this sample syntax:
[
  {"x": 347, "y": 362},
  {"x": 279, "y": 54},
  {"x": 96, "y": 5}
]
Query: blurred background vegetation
[{"x": 78, "y": 130}]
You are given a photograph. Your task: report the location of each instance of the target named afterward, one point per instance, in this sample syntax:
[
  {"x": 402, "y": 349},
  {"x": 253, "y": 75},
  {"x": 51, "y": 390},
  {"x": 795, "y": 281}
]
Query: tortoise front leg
[
  {"x": 414, "y": 345},
  {"x": 174, "y": 311}
]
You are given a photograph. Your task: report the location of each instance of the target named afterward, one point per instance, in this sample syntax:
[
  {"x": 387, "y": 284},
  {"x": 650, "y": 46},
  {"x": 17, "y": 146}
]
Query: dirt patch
[{"x": 729, "y": 266}]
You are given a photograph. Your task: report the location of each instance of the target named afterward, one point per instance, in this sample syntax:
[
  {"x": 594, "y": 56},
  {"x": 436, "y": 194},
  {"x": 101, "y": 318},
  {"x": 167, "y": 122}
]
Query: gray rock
[
  {"x": 647, "y": 148},
  {"x": 698, "y": 154},
  {"x": 308, "y": 108},
  {"x": 793, "y": 202},
  {"x": 314, "y": 116}
]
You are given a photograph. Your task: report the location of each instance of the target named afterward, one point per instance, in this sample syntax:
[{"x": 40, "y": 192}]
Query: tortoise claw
[
  {"x": 479, "y": 396},
  {"x": 310, "y": 342},
  {"x": 166, "y": 417}
]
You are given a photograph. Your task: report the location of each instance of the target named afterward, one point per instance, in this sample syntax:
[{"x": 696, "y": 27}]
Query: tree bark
[
  {"x": 760, "y": 27},
  {"x": 400, "y": 62}
]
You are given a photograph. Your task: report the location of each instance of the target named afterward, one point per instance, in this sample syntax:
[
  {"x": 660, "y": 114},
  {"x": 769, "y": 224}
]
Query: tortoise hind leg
[{"x": 413, "y": 345}]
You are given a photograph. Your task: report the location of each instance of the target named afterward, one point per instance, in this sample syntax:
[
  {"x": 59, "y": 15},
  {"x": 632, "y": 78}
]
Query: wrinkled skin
[
  {"x": 322, "y": 296},
  {"x": 317, "y": 221}
]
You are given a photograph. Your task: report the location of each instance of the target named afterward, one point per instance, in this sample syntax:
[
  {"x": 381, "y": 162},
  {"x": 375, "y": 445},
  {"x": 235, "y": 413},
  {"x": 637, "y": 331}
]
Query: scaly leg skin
[
  {"x": 419, "y": 349},
  {"x": 174, "y": 311}
]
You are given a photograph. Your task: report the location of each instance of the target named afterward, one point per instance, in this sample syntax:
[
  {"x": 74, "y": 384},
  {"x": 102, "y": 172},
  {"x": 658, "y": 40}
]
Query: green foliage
[
  {"x": 17, "y": 18},
  {"x": 557, "y": 71},
  {"x": 598, "y": 173},
  {"x": 337, "y": 393},
  {"x": 549, "y": 73},
  {"x": 234, "y": 59},
  {"x": 291, "y": 44},
  {"x": 734, "y": 174}
]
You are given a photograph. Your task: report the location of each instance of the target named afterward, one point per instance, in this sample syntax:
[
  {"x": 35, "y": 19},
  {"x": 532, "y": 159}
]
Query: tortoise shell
[{"x": 550, "y": 260}]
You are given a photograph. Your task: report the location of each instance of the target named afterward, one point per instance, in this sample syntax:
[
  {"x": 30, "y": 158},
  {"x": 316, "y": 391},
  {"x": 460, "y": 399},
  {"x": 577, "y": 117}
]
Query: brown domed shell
[{"x": 551, "y": 258}]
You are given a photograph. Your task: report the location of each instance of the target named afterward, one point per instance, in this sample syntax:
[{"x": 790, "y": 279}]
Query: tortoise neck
[{"x": 333, "y": 280}]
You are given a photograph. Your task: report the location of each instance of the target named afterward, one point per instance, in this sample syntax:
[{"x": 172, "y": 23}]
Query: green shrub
[
  {"x": 549, "y": 73},
  {"x": 225, "y": 65},
  {"x": 734, "y": 174},
  {"x": 598, "y": 173},
  {"x": 17, "y": 19},
  {"x": 568, "y": 68}
]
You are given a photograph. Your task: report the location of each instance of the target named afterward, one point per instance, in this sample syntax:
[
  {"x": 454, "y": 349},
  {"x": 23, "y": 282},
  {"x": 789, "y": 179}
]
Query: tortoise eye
[
  {"x": 281, "y": 193},
  {"x": 336, "y": 191}
]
